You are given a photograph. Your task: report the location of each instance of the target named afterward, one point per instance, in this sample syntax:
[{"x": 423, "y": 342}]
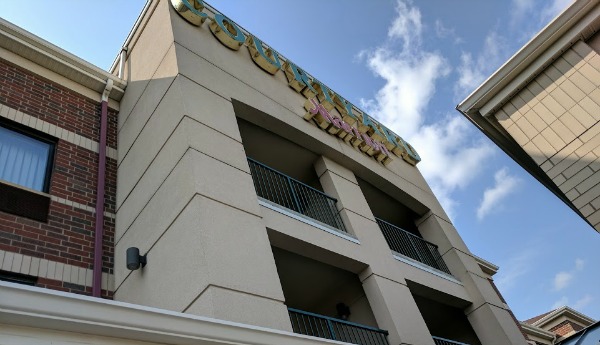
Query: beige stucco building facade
[
  {"x": 270, "y": 211},
  {"x": 542, "y": 108}
]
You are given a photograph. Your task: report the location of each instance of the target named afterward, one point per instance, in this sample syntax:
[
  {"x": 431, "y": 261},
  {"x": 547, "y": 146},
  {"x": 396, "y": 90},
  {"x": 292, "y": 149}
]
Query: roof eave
[
  {"x": 536, "y": 331},
  {"x": 534, "y": 55},
  {"x": 44, "y": 53},
  {"x": 486, "y": 266},
  {"x": 567, "y": 312}
]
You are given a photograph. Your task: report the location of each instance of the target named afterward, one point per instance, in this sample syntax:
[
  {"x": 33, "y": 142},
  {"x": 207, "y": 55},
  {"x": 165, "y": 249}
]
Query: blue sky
[{"x": 408, "y": 64}]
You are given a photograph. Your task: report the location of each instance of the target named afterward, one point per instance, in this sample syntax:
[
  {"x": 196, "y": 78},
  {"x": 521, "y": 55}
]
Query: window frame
[
  {"x": 42, "y": 137},
  {"x": 18, "y": 278}
]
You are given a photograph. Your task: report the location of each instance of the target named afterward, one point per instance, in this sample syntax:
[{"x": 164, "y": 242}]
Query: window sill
[{"x": 24, "y": 202}]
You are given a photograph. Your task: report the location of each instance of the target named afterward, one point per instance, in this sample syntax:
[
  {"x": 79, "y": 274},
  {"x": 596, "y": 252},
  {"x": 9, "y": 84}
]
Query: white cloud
[
  {"x": 552, "y": 9},
  {"x": 407, "y": 26},
  {"x": 521, "y": 9},
  {"x": 470, "y": 73},
  {"x": 442, "y": 31},
  {"x": 544, "y": 12},
  {"x": 514, "y": 269},
  {"x": 410, "y": 84},
  {"x": 473, "y": 71},
  {"x": 563, "y": 301},
  {"x": 503, "y": 186},
  {"x": 529, "y": 16},
  {"x": 450, "y": 160},
  {"x": 562, "y": 279},
  {"x": 579, "y": 263},
  {"x": 579, "y": 305},
  {"x": 583, "y": 302}
]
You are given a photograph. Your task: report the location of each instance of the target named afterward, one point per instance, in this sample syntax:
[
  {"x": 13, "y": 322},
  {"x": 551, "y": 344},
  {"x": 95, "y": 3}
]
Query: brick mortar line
[
  {"x": 41, "y": 268},
  {"x": 81, "y": 206},
  {"x": 53, "y": 130}
]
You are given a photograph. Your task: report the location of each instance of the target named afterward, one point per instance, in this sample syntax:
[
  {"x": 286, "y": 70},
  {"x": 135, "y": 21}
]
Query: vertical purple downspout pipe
[{"x": 99, "y": 231}]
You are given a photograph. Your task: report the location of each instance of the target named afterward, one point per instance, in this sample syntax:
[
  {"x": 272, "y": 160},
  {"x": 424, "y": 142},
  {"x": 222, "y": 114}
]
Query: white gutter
[
  {"x": 58, "y": 311},
  {"x": 486, "y": 266},
  {"x": 118, "y": 59},
  {"x": 538, "y": 332},
  {"x": 573, "y": 314},
  {"x": 34, "y": 48},
  {"x": 122, "y": 58}
]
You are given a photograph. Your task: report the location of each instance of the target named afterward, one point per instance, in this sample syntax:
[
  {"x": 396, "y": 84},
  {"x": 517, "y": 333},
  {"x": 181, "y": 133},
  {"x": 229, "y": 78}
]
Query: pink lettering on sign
[{"x": 319, "y": 109}]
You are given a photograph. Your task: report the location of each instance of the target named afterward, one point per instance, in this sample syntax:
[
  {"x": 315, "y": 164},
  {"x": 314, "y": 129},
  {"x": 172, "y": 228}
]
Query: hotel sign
[{"x": 324, "y": 107}]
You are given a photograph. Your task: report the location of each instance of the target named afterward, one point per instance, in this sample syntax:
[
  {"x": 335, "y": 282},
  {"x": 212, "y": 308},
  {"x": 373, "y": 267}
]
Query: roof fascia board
[
  {"x": 536, "y": 331},
  {"x": 568, "y": 313},
  {"x": 486, "y": 266},
  {"x": 95, "y": 77},
  {"x": 571, "y": 37}
]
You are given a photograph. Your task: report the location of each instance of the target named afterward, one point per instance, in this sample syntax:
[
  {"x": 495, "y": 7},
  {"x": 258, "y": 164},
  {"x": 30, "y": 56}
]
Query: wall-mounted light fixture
[
  {"x": 343, "y": 311},
  {"x": 134, "y": 259}
]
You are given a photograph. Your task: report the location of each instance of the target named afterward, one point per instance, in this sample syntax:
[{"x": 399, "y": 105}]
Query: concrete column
[
  {"x": 340, "y": 182},
  {"x": 495, "y": 326},
  {"x": 395, "y": 310},
  {"x": 391, "y": 302},
  {"x": 186, "y": 198},
  {"x": 489, "y": 315}
]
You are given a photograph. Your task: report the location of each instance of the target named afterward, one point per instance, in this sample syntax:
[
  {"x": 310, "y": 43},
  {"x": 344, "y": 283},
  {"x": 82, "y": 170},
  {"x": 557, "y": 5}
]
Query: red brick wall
[
  {"x": 68, "y": 235},
  {"x": 69, "y": 287},
  {"x": 565, "y": 328},
  {"x": 75, "y": 176},
  {"x": 41, "y": 98}
]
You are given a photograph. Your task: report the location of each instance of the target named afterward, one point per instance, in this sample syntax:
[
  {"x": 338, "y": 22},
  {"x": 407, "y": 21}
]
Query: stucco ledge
[{"x": 59, "y": 311}]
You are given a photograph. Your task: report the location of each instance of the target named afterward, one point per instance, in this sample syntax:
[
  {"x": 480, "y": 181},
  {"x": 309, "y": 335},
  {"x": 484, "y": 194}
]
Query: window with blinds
[{"x": 25, "y": 159}]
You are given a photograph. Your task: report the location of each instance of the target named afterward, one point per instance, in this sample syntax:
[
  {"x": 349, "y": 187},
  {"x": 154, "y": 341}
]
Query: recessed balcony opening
[
  {"x": 279, "y": 153},
  {"x": 391, "y": 210},
  {"x": 444, "y": 316},
  {"x": 283, "y": 175},
  {"x": 397, "y": 223},
  {"x": 325, "y": 301}
]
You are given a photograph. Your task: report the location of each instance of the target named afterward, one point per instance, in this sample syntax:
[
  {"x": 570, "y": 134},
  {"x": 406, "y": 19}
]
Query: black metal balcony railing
[
  {"x": 281, "y": 189},
  {"x": 442, "y": 341},
  {"x": 413, "y": 246},
  {"x": 329, "y": 328}
]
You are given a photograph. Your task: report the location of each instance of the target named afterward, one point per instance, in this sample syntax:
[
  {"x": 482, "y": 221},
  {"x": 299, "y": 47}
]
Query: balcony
[
  {"x": 444, "y": 316},
  {"x": 412, "y": 246},
  {"x": 335, "y": 329},
  {"x": 442, "y": 341},
  {"x": 292, "y": 194}
]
